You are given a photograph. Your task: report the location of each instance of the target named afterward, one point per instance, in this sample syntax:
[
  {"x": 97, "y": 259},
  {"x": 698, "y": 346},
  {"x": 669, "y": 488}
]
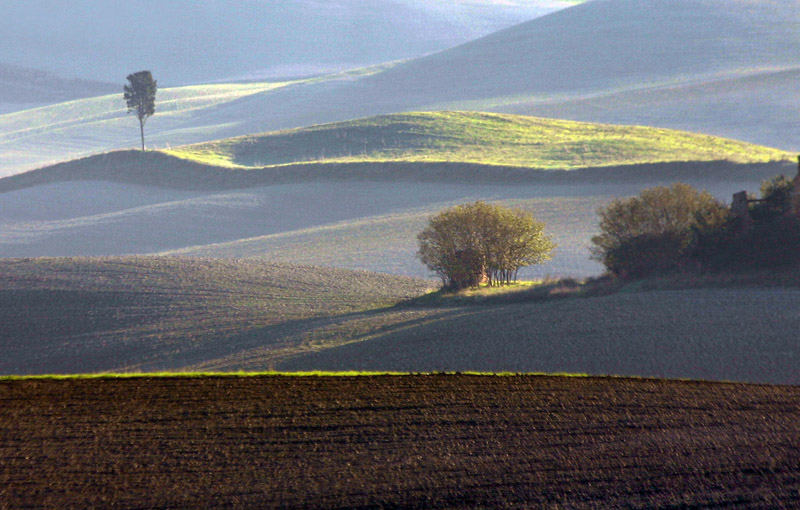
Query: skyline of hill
[
  {"x": 722, "y": 68},
  {"x": 185, "y": 42},
  {"x": 23, "y": 87}
]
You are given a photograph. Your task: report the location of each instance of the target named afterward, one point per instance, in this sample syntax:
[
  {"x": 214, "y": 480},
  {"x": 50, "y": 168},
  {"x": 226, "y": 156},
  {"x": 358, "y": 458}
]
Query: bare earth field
[
  {"x": 140, "y": 314},
  {"x": 83, "y": 314},
  {"x": 735, "y": 334},
  {"x": 397, "y": 441}
]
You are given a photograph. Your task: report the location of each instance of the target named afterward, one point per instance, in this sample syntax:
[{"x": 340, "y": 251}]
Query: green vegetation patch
[
  {"x": 474, "y": 137},
  {"x": 275, "y": 373}
]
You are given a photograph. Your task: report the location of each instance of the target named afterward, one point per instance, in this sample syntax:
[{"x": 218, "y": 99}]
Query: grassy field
[
  {"x": 140, "y": 313},
  {"x": 45, "y": 135},
  {"x": 474, "y": 137},
  {"x": 428, "y": 441},
  {"x": 438, "y": 146}
]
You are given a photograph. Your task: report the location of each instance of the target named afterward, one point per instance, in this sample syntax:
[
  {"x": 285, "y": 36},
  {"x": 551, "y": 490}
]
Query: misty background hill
[
  {"x": 724, "y": 67},
  {"x": 188, "y": 42},
  {"x": 362, "y": 207},
  {"x": 22, "y": 87}
]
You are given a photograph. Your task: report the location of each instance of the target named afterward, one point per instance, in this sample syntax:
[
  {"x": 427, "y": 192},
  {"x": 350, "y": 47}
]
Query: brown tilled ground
[{"x": 397, "y": 441}]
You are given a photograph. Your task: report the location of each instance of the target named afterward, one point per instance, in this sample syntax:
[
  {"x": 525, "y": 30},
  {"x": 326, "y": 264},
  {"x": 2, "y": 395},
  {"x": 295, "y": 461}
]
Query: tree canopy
[
  {"x": 140, "y": 96},
  {"x": 650, "y": 232},
  {"x": 476, "y": 242}
]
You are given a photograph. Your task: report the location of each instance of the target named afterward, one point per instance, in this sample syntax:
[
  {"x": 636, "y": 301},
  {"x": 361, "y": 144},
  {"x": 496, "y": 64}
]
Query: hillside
[
  {"x": 624, "y": 48},
  {"x": 139, "y": 313},
  {"x": 605, "y": 45},
  {"x": 21, "y": 87},
  {"x": 186, "y": 42},
  {"x": 75, "y": 315},
  {"x": 434, "y": 441},
  {"x": 475, "y": 137},
  {"x": 406, "y": 145},
  {"x": 735, "y": 334},
  {"x": 395, "y": 171},
  {"x": 756, "y": 107},
  {"x": 723, "y": 67}
]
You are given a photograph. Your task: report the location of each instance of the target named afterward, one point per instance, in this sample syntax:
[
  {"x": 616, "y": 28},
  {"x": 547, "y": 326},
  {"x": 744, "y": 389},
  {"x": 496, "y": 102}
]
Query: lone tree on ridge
[
  {"x": 140, "y": 96},
  {"x": 474, "y": 243}
]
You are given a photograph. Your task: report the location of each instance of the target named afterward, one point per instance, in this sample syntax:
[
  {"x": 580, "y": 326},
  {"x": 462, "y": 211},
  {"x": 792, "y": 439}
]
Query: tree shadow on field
[
  {"x": 266, "y": 347},
  {"x": 746, "y": 335}
]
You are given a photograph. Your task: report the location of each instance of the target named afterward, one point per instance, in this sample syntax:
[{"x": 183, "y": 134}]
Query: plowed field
[{"x": 397, "y": 441}]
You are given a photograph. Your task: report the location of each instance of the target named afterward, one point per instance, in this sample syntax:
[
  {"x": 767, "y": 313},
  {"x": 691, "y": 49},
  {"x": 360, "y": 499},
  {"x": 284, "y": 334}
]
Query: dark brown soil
[{"x": 397, "y": 441}]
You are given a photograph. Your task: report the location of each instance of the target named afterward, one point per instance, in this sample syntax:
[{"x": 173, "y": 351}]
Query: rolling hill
[
  {"x": 185, "y": 42},
  {"x": 362, "y": 205},
  {"x": 475, "y": 141},
  {"x": 78, "y": 315},
  {"x": 724, "y": 67},
  {"x": 22, "y": 88},
  {"x": 475, "y": 137},
  {"x": 156, "y": 313}
]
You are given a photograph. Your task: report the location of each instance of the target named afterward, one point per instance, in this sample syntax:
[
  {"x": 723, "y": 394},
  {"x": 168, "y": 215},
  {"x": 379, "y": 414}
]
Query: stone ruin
[{"x": 740, "y": 206}]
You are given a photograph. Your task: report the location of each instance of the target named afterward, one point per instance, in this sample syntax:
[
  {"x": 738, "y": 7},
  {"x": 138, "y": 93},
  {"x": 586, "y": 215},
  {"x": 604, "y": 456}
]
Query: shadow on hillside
[
  {"x": 736, "y": 334},
  {"x": 264, "y": 348},
  {"x": 149, "y": 169}
]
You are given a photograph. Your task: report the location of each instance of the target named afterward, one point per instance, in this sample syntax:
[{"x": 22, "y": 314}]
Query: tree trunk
[{"x": 141, "y": 132}]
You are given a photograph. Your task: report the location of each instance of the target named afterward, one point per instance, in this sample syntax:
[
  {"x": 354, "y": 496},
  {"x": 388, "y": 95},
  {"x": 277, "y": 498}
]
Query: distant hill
[
  {"x": 722, "y": 67},
  {"x": 605, "y": 45},
  {"x": 25, "y": 86},
  {"x": 445, "y": 146},
  {"x": 361, "y": 206},
  {"x": 187, "y": 42}
]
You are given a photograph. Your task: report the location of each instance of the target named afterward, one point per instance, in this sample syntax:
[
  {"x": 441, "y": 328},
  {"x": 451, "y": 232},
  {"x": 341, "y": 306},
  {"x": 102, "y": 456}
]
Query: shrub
[
  {"x": 651, "y": 232},
  {"x": 476, "y": 242},
  {"x": 770, "y": 238}
]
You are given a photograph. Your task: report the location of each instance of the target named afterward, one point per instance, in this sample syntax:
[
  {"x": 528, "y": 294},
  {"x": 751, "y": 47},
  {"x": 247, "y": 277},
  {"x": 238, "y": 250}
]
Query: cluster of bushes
[
  {"x": 674, "y": 228},
  {"x": 475, "y": 243}
]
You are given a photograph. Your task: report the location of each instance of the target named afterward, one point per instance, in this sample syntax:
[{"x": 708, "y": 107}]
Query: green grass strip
[{"x": 352, "y": 373}]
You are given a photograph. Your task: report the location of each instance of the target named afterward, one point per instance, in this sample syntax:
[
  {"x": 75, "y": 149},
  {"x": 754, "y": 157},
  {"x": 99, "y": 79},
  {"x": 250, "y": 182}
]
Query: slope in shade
[
  {"x": 159, "y": 313},
  {"x": 185, "y": 42},
  {"x": 742, "y": 334},
  {"x": 606, "y": 44},
  {"x": 154, "y": 313}
]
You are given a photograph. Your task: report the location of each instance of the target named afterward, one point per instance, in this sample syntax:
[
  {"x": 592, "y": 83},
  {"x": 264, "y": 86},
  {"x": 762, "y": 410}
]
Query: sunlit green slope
[{"x": 475, "y": 137}]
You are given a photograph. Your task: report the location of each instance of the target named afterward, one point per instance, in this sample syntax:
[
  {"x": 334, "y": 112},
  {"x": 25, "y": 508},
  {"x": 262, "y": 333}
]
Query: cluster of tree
[
  {"x": 475, "y": 243},
  {"x": 665, "y": 229},
  {"x": 768, "y": 237}
]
